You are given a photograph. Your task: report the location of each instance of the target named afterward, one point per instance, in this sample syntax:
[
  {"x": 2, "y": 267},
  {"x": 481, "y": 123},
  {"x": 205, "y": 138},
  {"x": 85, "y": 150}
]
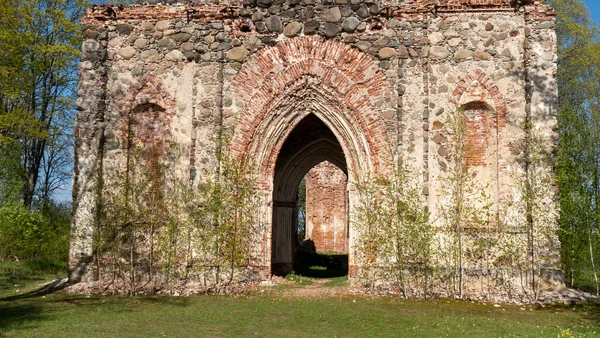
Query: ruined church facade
[{"x": 290, "y": 84}]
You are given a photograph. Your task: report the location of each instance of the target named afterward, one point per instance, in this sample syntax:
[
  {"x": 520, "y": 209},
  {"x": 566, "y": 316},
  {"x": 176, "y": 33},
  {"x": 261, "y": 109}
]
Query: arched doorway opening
[
  {"x": 308, "y": 145},
  {"x": 276, "y": 89}
]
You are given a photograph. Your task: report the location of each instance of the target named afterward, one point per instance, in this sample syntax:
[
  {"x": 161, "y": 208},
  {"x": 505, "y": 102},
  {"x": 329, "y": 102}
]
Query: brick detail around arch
[
  {"x": 351, "y": 75},
  {"x": 148, "y": 109},
  {"x": 478, "y": 87}
]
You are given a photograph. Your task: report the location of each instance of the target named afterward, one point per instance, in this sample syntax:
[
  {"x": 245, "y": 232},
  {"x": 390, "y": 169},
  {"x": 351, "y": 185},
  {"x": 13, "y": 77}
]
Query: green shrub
[{"x": 40, "y": 235}]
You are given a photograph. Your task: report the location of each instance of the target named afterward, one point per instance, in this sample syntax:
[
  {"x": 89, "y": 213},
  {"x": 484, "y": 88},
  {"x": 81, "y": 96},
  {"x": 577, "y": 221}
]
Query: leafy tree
[
  {"x": 395, "y": 232},
  {"x": 579, "y": 135},
  {"x": 39, "y": 43}
]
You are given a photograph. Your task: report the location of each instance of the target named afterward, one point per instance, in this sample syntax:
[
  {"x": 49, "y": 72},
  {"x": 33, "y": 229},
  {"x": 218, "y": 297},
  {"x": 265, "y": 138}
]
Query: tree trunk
[{"x": 592, "y": 256}]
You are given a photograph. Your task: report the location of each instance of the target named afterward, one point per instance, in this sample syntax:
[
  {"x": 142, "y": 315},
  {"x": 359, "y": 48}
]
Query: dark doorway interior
[{"x": 310, "y": 143}]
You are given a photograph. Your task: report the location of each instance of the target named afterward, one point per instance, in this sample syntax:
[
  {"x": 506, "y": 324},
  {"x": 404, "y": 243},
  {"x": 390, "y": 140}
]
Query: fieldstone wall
[{"x": 384, "y": 76}]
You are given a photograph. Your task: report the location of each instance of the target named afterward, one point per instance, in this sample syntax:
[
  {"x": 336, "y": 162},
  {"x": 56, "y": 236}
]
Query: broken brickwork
[
  {"x": 378, "y": 80},
  {"x": 326, "y": 215}
]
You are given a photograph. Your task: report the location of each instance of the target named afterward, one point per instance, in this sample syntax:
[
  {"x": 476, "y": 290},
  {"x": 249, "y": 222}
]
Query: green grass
[
  {"x": 27, "y": 275},
  {"x": 337, "y": 281},
  {"x": 300, "y": 280},
  {"x": 273, "y": 314}
]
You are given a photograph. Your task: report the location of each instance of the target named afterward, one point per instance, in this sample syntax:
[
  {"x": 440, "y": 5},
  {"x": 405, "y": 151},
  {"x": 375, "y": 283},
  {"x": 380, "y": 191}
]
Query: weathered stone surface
[
  {"x": 403, "y": 52},
  {"x": 124, "y": 28},
  {"x": 148, "y": 54},
  {"x": 331, "y": 29},
  {"x": 237, "y": 53},
  {"x": 274, "y": 24},
  {"x": 438, "y": 138},
  {"x": 374, "y": 9},
  {"x": 292, "y": 29},
  {"x": 311, "y": 27},
  {"x": 381, "y": 42},
  {"x": 261, "y": 27},
  {"x": 362, "y": 12},
  {"x": 166, "y": 43},
  {"x": 463, "y": 54},
  {"x": 443, "y": 151},
  {"x": 332, "y": 14},
  {"x": 393, "y": 23},
  {"x": 349, "y": 24},
  {"x": 500, "y": 36},
  {"x": 252, "y": 43},
  {"x": 454, "y": 42},
  {"x": 162, "y": 25},
  {"x": 90, "y": 46},
  {"x": 147, "y": 26},
  {"x": 127, "y": 52},
  {"x": 175, "y": 55},
  {"x": 361, "y": 27},
  {"x": 386, "y": 53},
  {"x": 482, "y": 55},
  {"x": 257, "y": 16},
  {"x": 140, "y": 43},
  {"x": 439, "y": 52},
  {"x": 346, "y": 81},
  {"x": 264, "y": 3},
  {"x": 181, "y": 37},
  {"x": 187, "y": 46},
  {"x": 363, "y": 45}
]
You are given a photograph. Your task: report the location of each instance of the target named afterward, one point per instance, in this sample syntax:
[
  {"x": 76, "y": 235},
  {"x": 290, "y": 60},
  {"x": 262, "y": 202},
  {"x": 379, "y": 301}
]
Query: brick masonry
[{"x": 326, "y": 203}]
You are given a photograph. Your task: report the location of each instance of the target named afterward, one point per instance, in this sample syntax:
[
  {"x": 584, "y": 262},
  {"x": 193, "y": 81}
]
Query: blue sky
[{"x": 594, "y": 6}]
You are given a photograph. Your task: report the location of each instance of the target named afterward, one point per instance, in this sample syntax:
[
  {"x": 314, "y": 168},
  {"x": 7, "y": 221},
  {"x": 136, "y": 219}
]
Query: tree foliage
[
  {"x": 39, "y": 43},
  {"x": 579, "y": 131},
  {"x": 156, "y": 231},
  {"x": 394, "y": 232},
  {"x": 37, "y": 235}
]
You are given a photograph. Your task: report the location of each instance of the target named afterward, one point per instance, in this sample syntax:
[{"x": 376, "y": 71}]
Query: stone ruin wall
[
  {"x": 403, "y": 65},
  {"x": 326, "y": 208}
]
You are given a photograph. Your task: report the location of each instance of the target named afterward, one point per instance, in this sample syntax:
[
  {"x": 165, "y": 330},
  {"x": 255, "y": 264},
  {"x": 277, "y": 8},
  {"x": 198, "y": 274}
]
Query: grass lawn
[{"x": 273, "y": 313}]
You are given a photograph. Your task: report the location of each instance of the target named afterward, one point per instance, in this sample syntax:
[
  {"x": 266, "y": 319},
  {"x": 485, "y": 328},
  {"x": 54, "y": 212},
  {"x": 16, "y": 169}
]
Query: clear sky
[{"x": 594, "y": 6}]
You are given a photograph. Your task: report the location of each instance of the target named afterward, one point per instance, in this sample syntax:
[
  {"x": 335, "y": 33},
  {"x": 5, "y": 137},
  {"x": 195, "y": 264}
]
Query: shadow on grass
[
  {"x": 21, "y": 316},
  {"x": 590, "y": 311},
  {"x": 52, "y": 287},
  {"x": 27, "y": 311},
  {"x": 317, "y": 265}
]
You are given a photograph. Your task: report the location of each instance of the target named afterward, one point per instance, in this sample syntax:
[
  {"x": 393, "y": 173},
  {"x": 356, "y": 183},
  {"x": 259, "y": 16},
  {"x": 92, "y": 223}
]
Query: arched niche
[
  {"x": 146, "y": 133},
  {"x": 485, "y": 109}
]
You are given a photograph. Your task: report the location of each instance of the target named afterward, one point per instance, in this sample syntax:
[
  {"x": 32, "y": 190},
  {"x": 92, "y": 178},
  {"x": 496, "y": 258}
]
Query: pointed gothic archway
[
  {"x": 310, "y": 143},
  {"x": 279, "y": 87}
]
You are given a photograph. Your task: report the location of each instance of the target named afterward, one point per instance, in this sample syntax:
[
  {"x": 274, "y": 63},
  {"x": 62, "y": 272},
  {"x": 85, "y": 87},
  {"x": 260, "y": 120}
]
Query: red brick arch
[
  {"x": 479, "y": 96},
  {"x": 281, "y": 84},
  {"x": 147, "y": 103},
  {"x": 148, "y": 90},
  {"x": 479, "y": 87}
]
